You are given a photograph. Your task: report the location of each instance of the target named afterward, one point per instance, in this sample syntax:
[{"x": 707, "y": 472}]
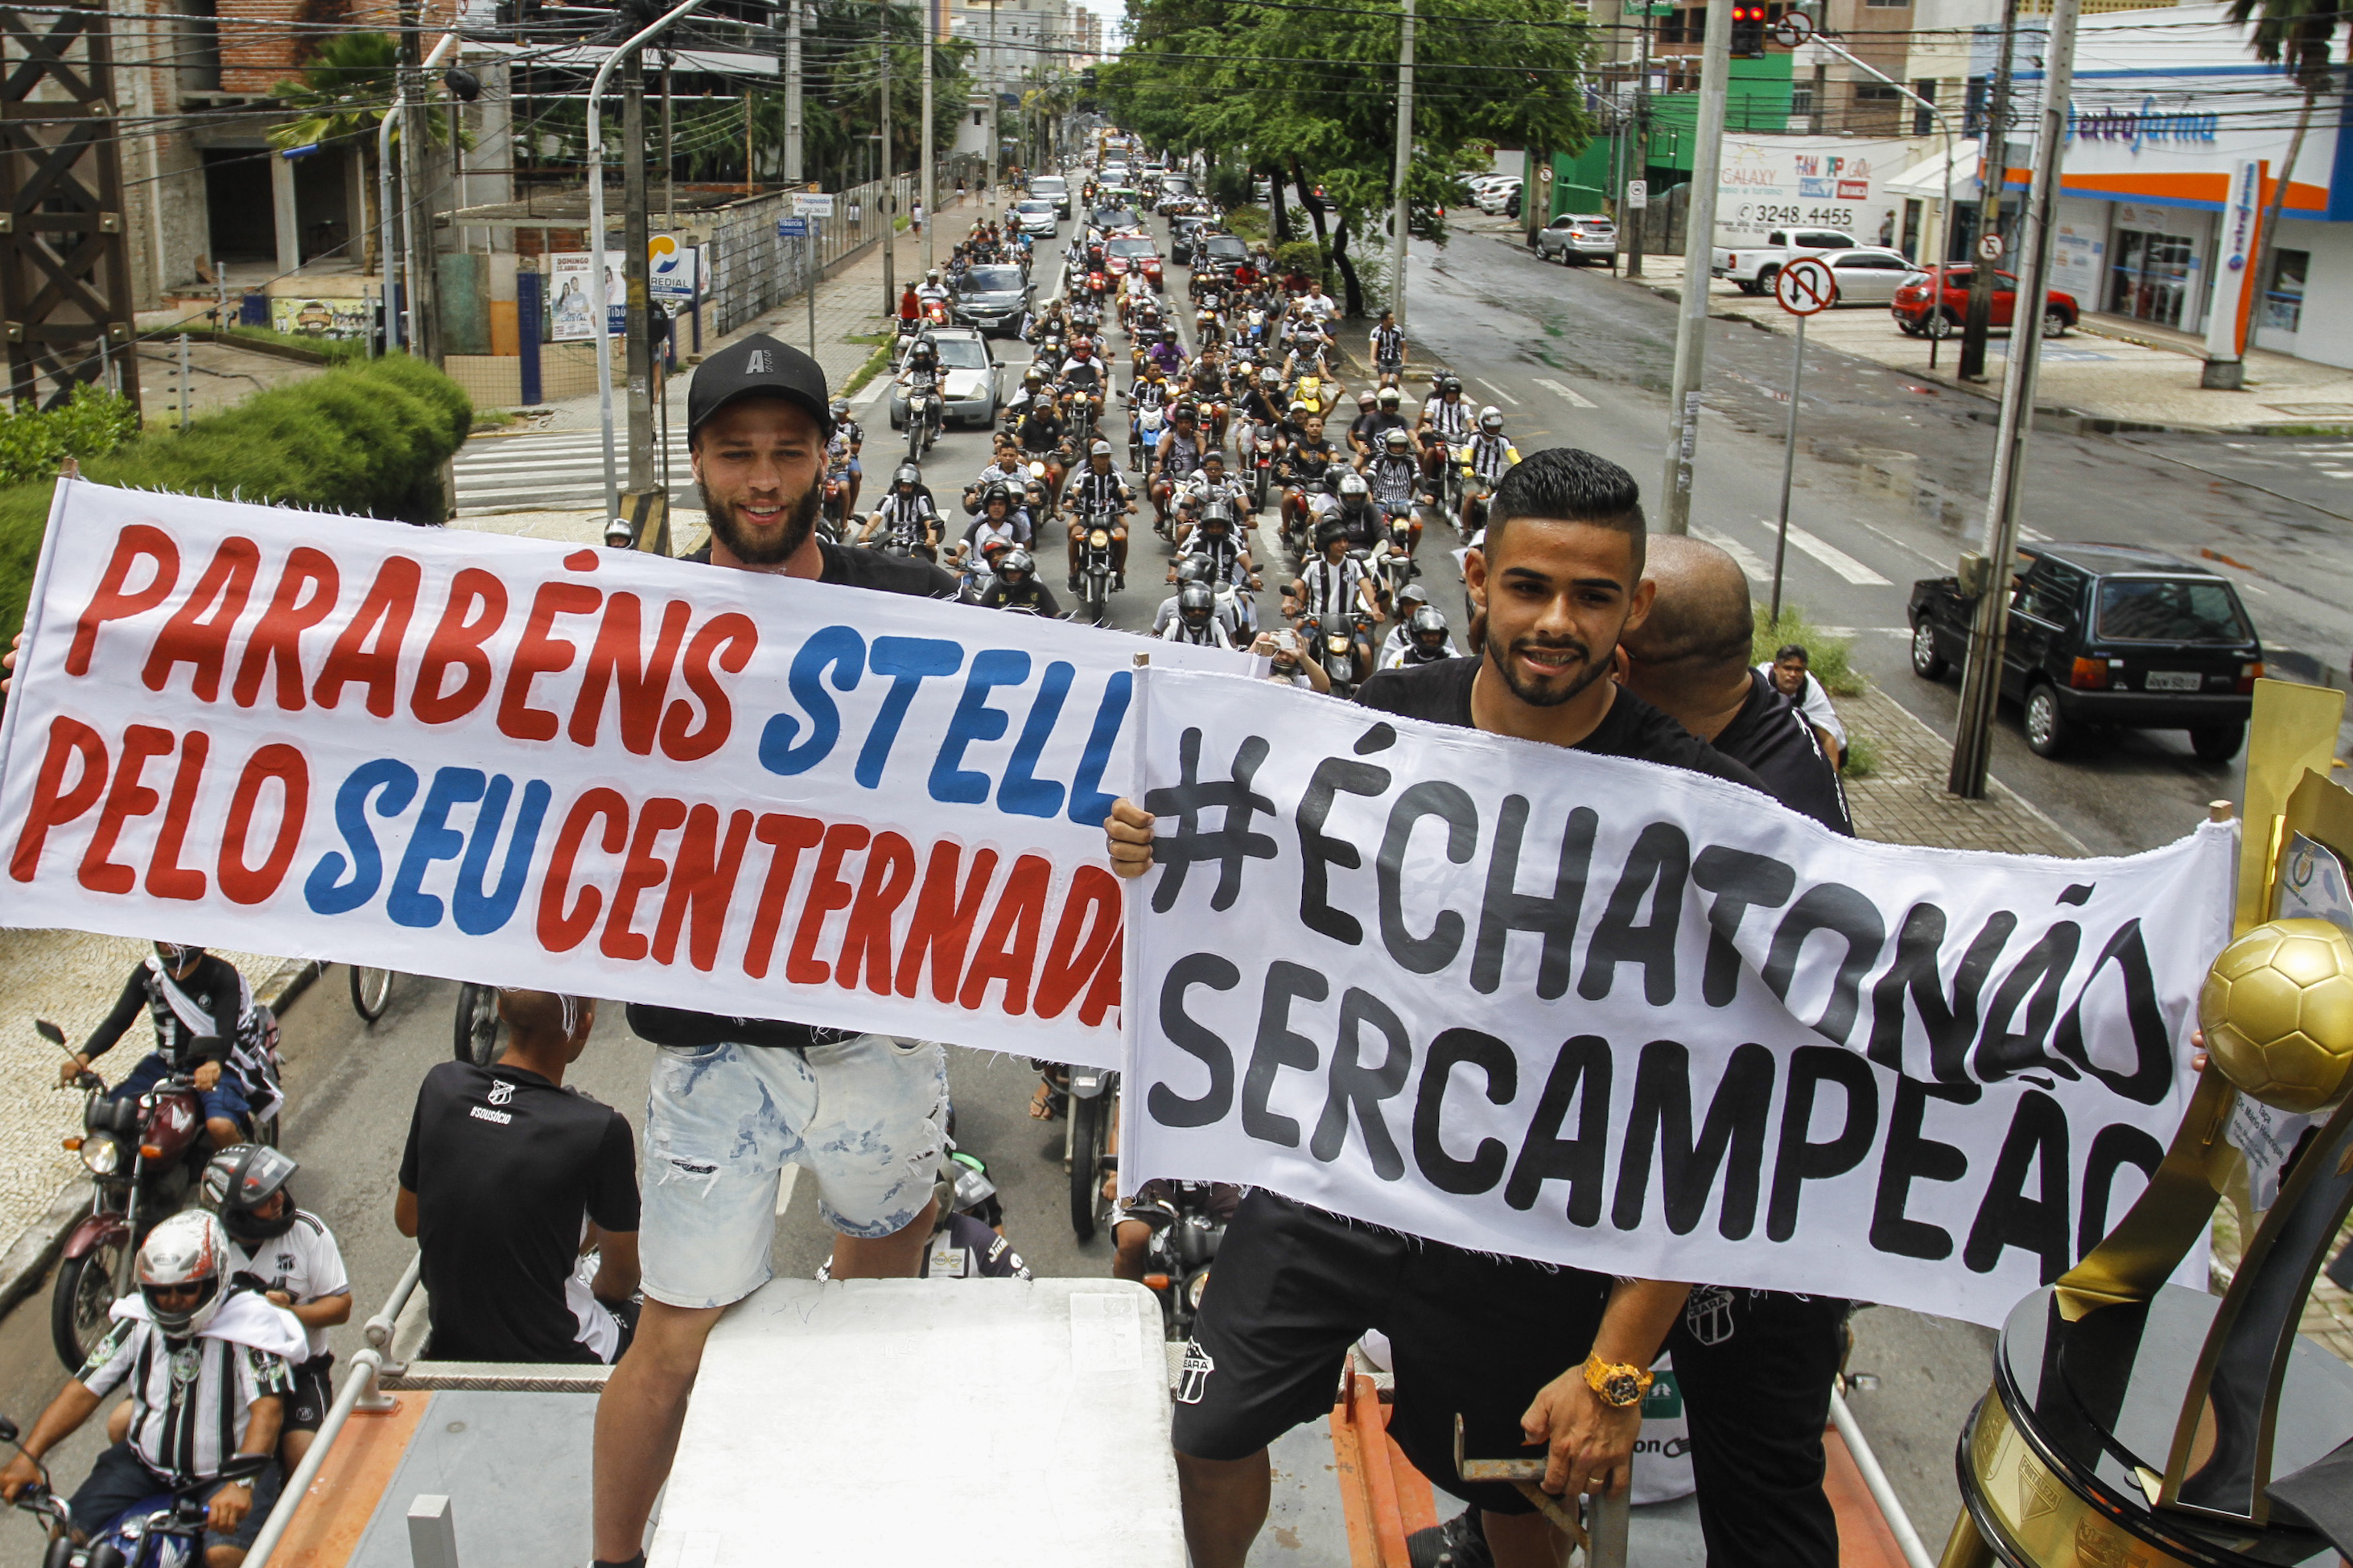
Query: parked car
[
  {"x": 1055, "y": 189},
  {"x": 1136, "y": 250},
  {"x": 1754, "y": 266},
  {"x": 992, "y": 298},
  {"x": 1478, "y": 185},
  {"x": 1867, "y": 275},
  {"x": 969, "y": 373},
  {"x": 2109, "y": 635},
  {"x": 1496, "y": 193},
  {"x": 1934, "y": 303},
  {"x": 1575, "y": 239}
]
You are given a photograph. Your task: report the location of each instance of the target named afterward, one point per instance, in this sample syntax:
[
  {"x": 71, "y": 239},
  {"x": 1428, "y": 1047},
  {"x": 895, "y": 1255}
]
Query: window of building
[
  {"x": 1924, "y": 123},
  {"x": 1802, "y": 98},
  {"x": 2284, "y": 300}
]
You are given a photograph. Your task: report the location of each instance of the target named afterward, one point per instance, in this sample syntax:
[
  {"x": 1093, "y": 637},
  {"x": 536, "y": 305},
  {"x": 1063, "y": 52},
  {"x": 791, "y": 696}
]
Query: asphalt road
[{"x": 1890, "y": 486}]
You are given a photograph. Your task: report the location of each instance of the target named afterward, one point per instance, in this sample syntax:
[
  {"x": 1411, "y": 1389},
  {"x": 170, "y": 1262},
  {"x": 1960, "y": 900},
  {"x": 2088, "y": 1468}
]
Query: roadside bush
[
  {"x": 1828, "y": 656},
  {"x": 1303, "y": 255},
  {"x": 368, "y": 439},
  {"x": 34, "y": 441}
]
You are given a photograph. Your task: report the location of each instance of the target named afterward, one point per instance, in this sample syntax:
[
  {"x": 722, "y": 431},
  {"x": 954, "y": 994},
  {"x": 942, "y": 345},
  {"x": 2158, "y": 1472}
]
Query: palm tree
[
  {"x": 344, "y": 92},
  {"x": 2301, "y": 33}
]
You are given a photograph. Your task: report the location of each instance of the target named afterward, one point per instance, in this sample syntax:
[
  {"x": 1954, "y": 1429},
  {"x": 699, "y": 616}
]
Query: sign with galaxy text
[
  {"x": 1598, "y": 1012},
  {"x": 598, "y": 772}
]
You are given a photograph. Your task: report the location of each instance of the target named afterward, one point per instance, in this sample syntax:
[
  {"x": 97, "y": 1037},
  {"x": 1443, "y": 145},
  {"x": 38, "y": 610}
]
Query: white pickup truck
[{"x": 1754, "y": 266}]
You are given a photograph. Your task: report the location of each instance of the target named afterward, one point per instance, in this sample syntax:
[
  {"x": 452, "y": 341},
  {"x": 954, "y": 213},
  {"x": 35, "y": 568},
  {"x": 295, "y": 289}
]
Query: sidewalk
[{"x": 2107, "y": 375}]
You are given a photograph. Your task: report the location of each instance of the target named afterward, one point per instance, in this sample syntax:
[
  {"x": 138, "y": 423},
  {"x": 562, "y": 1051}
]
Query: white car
[
  {"x": 1039, "y": 218},
  {"x": 1867, "y": 275},
  {"x": 969, "y": 372},
  {"x": 1497, "y": 196}
]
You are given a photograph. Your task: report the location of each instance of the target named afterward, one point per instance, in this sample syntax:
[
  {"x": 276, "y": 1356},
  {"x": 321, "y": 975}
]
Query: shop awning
[{"x": 1926, "y": 179}]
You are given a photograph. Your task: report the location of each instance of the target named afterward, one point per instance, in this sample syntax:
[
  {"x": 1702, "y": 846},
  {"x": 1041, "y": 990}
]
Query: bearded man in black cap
[{"x": 734, "y": 1101}]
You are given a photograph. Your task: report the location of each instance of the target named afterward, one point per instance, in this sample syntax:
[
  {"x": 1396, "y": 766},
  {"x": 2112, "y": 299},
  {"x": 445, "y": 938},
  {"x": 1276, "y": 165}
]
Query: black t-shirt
[
  {"x": 1369, "y": 428},
  {"x": 213, "y": 986},
  {"x": 1773, "y": 739},
  {"x": 1441, "y": 693},
  {"x": 505, "y": 1166},
  {"x": 844, "y": 567}
]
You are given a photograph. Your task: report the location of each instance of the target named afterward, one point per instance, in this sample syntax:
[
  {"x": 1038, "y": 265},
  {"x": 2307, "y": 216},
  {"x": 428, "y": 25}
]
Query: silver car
[
  {"x": 1575, "y": 239},
  {"x": 970, "y": 375},
  {"x": 1867, "y": 275},
  {"x": 1038, "y": 217}
]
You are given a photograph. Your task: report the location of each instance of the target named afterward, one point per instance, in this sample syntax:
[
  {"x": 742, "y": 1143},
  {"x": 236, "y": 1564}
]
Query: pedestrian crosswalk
[{"x": 556, "y": 469}]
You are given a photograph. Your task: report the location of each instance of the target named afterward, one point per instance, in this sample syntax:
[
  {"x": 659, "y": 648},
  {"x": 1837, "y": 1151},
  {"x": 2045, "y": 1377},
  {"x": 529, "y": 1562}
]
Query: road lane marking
[
  {"x": 875, "y": 389},
  {"x": 1750, "y": 561},
  {"x": 1553, "y": 386},
  {"x": 1830, "y": 555},
  {"x": 1900, "y": 544},
  {"x": 1496, "y": 389}
]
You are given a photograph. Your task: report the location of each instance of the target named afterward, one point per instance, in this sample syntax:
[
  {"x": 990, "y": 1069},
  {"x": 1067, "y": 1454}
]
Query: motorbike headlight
[
  {"x": 1337, "y": 644},
  {"x": 1196, "y": 1288},
  {"x": 102, "y": 1155},
  {"x": 1099, "y": 539}
]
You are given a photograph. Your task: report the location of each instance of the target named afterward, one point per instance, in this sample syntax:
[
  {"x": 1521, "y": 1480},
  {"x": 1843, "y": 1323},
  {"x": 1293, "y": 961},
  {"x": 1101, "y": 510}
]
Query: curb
[{"x": 27, "y": 1258}]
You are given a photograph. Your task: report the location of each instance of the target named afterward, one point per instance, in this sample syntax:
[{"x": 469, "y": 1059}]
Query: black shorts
[
  {"x": 120, "y": 1482},
  {"x": 1473, "y": 1334},
  {"x": 314, "y": 1392}
]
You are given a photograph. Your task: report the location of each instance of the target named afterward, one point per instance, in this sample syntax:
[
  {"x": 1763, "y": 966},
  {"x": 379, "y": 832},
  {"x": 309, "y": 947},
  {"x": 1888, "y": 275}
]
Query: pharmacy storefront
[{"x": 2166, "y": 103}]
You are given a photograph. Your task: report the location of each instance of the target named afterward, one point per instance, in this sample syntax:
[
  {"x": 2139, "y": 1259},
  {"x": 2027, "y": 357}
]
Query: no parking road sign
[{"x": 1804, "y": 288}]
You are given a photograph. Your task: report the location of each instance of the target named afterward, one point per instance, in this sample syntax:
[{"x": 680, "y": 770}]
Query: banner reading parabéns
[
  {"x": 1599, "y": 1012},
  {"x": 594, "y": 771}
]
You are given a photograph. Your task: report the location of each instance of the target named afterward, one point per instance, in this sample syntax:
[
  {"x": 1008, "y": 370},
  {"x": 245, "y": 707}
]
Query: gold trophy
[{"x": 2133, "y": 1423}]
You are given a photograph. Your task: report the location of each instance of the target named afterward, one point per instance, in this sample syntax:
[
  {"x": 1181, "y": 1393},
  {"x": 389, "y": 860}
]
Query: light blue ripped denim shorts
[{"x": 864, "y": 1116}]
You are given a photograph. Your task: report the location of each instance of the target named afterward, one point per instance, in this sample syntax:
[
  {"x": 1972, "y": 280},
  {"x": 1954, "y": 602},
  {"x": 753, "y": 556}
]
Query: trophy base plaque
[{"x": 2059, "y": 1463}]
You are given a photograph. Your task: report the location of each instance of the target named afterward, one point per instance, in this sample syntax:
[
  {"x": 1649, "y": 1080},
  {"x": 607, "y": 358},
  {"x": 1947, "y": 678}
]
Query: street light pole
[
  {"x": 1990, "y": 620},
  {"x": 882, "y": 163},
  {"x": 1699, "y": 237},
  {"x": 1993, "y": 177},
  {"x": 930, "y": 193},
  {"x": 1400, "y": 213}
]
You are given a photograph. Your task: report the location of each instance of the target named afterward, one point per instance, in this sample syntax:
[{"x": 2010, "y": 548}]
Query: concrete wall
[{"x": 2325, "y": 331}]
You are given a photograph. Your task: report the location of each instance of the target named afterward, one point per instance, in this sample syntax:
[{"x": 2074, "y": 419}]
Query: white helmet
[{"x": 189, "y": 1249}]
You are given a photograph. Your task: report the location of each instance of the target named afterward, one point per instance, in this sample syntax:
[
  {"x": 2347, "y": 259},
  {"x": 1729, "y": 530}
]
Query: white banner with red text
[
  {"x": 1599, "y": 1012},
  {"x": 496, "y": 759}
]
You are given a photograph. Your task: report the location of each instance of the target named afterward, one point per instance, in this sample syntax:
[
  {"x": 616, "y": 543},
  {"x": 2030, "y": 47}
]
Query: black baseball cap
[{"x": 757, "y": 366}]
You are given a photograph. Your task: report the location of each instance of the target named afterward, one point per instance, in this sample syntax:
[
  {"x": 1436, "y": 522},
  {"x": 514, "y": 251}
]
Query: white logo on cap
[{"x": 758, "y": 363}]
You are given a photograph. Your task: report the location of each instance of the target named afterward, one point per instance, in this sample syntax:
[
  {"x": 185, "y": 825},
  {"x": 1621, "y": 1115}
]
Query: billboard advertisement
[{"x": 1824, "y": 182}]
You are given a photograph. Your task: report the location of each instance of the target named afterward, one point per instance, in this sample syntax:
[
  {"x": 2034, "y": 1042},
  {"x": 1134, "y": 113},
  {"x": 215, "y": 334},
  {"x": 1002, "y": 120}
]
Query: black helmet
[
  {"x": 1452, "y": 384},
  {"x": 924, "y": 349},
  {"x": 1195, "y": 602},
  {"x": 243, "y": 1178},
  {"x": 1191, "y": 569},
  {"x": 1426, "y": 630},
  {"x": 996, "y": 492},
  {"x": 1015, "y": 563}
]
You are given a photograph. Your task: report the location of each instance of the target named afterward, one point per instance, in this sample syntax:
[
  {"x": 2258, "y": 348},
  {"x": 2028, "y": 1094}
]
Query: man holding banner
[
  {"x": 735, "y": 1100},
  {"x": 1522, "y": 1352}
]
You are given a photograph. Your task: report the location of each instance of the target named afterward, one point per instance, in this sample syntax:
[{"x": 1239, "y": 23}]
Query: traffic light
[{"x": 1748, "y": 32}]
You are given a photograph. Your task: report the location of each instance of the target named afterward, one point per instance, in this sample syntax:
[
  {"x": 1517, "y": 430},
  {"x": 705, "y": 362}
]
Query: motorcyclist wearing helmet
[
  {"x": 1444, "y": 421},
  {"x": 1312, "y": 356},
  {"x": 1017, "y": 588},
  {"x": 1335, "y": 581},
  {"x": 291, "y": 1257},
  {"x": 1196, "y": 618},
  {"x": 1195, "y": 569},
  {"x": 1491, "y": 456},
  {"x": 1084, "y": 372},
  {"x": 1410, "y": 598},
  {"x": 1352, "y": 509},
  {"x": 1098, "y": 493},
  {"x": 1375, "y": 421},
  {"x": 1176, "y": 456},
  {"x": 933, "y": 292},
  {"x": 1044, "y": 436},
  {"x": 903, "y": 508},
  {"x": 1426, "y": 640},
  {"x": 842, "y": 449},
  {"x": 207, "y": 1026},
  {"x": 1216, "y": 540},
  {"x": 207, "y": 1368},
  {"x": 1392, "y": 474},
  {"x": 1212, "y": 482},
  {"x": 996, "y": 522}
]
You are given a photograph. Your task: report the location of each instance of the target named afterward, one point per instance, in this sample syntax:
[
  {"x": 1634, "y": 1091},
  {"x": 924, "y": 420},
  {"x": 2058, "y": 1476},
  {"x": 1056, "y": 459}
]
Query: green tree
[
  {"x": 1310, "y": 101},
  {"x": 342, "y": 96},
  {"x": 2299, "y": 33}
]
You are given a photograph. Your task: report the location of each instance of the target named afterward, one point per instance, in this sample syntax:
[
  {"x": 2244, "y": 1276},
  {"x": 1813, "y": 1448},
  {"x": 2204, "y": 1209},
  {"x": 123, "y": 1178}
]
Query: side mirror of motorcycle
[{"x": 56, "y": 1037}]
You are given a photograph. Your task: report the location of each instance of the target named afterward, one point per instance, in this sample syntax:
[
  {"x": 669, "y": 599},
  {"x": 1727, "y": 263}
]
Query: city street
[{"x": 1890, "y": 487}]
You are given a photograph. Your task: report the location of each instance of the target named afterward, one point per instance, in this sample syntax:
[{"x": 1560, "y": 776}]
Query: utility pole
[
  {"x": 669, "y": 150},
  {"x": 1993, "y": 173},
  {"x": 793, "y": 174},
  {"x": 415, "y": 150},
  {"x": 882, "y": 163},
  {"x": 637, "y": 323},
  {"x": 1989, "y": 618},
  {"x": 1400, "y": 213},
  {"x": 1638, "y": 149},
  {"x": 930, "y": 194},
  {"x": 993, "y": 94},
  {"x": 1699, "y": 235}
]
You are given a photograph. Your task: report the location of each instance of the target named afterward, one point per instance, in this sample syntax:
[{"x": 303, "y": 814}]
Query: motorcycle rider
[
  {"x": 1212, "y": 483},
  {"x": 1195, "y": 621},
  {"x": 842, "y": 449},
  {"x": 1444, "y": 421},
  {"x": 998, "y": 521},
  {"x": 1150, "y": 392},
  {"x": 1263, "y": 403},
  {"x": 1218, "y": 545},
  {"x": 1085, "y": 373},
  {"x": 207, "y": 1026},
  {"x": 903, "y": 508},
  {"x": 1393, "y": 475},
  {"x": 1351, "y": 508},
  {"x": 1312, "y": 355},
  {"x": 1365, "y": 434},
  {"x": 207, "y": 1369},
  {"x": 1492, "y": 455},
  {"x": 1042, "y": 433},
  {"x": 291, "y": 1257},
  {"x": 933, "y": 292},
  {"x": 922, "y": 373},
  {"x": 1206, "y": 379},
  {"x": 1304, "y": 469},
  {"x": 1099, "y": 491},
  {"x": 1426, "y": 640},
  {"x": 1178, "y": 456},
  {"x": 1410, "y": 597},
  {"x": 1017, "y": 588},
  {"x": 1335, "y": 581}
]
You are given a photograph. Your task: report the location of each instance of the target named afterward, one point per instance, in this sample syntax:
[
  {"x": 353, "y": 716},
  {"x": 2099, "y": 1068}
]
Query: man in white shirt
[
  {"x": 291, "y": 1257},
  {"x": 1792, "y": 678}
]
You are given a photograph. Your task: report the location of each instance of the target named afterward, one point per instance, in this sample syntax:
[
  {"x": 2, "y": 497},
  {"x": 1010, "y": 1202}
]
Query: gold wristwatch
[{"x": 1619, "y": 1385}]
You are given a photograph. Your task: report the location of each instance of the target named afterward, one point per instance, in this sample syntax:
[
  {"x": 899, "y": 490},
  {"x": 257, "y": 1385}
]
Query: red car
[
  {"x": 1134, "y": 250},
  {"x": 1934, "y": 303}
]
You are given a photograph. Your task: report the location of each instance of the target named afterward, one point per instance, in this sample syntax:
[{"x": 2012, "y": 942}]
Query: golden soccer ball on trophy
[{"x": 2277, "y": 1009}]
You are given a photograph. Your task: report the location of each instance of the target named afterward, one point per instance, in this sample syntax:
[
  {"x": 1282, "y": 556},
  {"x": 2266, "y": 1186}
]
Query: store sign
[
  {"x": 1830, "y": 182},
  {"x": 2234, "y": 285},
  {"x": 2137, "y": 128}
]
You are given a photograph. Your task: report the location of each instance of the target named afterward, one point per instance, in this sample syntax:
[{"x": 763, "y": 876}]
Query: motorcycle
[
  {"x": 1089, "y": 1145},
  {"x": 935, "y": 313},
  {"x": 1261, "y": 453},
  {"x": 923, "y": 423},
  {"x": 1145, "y": 435},
  {"x": 1344, "y": 661},
  {"x": 145, "y": 1156},
  {"x": 1185, "y": 1234},
  {"x": 166, "y": 1531},
  {"x": 1095, "y": 570}
]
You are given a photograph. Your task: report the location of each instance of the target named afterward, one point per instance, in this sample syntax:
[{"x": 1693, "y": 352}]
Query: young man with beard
[
  {"x": 1527, "y": 1353},
  {"x": 1755, "y": 1366},
  {"x": 735, "y": 1100}
]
